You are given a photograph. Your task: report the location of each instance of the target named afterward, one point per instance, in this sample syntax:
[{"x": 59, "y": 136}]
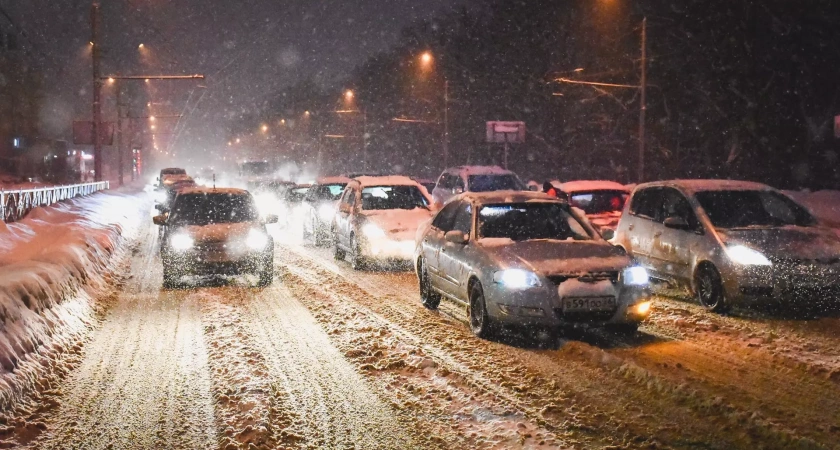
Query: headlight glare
[
  {"x": 181, "y": 242},
  {"x": 326, "y": 212},
  {"x": 636, "y": 276},
  {"x": 266, "y": 203},
  {"x": 517, "y": 279},
  {"x": 256, "y": 240},
  {"x": 746, "y": 256},
  {"x": 372, "y": 231}
]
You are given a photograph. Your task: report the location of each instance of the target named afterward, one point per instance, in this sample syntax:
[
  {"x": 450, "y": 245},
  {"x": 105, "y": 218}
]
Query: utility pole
[
  {"x": 120, "y": 151},
  {"x": 97, "y": 90},
  {"x": 445, "y": 124},
  {"x": 642, "y": 110}
]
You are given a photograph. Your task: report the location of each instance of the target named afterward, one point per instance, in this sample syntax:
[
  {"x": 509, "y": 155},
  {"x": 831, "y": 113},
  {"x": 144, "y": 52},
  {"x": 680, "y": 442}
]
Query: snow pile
[{"x": 53, "y": 263}]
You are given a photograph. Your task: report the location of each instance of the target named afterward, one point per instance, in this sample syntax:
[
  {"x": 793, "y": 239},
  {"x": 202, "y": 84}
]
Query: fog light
[{"x": 642, "y": 309}]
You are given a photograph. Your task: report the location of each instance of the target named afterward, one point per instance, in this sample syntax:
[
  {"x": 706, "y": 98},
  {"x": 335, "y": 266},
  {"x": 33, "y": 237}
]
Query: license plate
[{"x": 585, "y": 304}]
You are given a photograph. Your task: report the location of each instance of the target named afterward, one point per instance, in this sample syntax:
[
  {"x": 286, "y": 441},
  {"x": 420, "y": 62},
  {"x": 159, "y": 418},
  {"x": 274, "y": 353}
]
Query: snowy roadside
[{"x": 54, "y": 264}]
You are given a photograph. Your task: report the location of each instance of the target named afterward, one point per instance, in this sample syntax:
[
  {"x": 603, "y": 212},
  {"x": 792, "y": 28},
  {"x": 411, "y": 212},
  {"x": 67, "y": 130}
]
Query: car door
[
  {"x": 433, "y": 241},
  {"x": 671, "y": 249},
  {"x": 342, "y": 217},
  {"x": 440, "y": 192},
  {"x": 451, "y": 256},
  {"x": 640, "y": 228}
]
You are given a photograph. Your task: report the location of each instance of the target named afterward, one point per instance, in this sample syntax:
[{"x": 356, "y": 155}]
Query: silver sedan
[{"x": 524, "y": 258}]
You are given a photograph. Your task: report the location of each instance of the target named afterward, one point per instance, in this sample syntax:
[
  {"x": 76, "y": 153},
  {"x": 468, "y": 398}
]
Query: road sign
[
  {"x": 505, "y": 132},
  {"x": 83, "y": 133}
]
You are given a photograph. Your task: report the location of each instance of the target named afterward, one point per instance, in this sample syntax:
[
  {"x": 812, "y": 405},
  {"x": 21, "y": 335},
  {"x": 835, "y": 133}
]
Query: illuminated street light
[
  {"x": 153, "y": 127},
  {"x": 264, "y": 128},
  {"x": 146, "y": 80},
  {"x": 306, "y": 113},
  {"x": 110, "y": 81},
  {"x": 152, "y": 118},
  {"x": 282, "y": 121},
  {"x": 349, "y": 95},
  {"x": 237, "y": 140},
  {"x": 426, "y": 58},
  {"x": 140, "y": 46}
]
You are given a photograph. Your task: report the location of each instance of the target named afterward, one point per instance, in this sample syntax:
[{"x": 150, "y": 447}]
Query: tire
[
  {"x": 357, "y": 259},
  {"x": 338, "y": 253},
  {"x": 266, "y": 277},
  {"x": 709, "y": 289},
  {"x": 170, "y": 278},
  {"x": 428, "y": 297},
  {"x": 480, "y": 322},
  {"x": 318, "y": 238}
]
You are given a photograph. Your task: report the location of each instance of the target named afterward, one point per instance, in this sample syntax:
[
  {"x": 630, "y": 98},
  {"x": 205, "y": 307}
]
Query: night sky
[{"x": 248, "y": 49}]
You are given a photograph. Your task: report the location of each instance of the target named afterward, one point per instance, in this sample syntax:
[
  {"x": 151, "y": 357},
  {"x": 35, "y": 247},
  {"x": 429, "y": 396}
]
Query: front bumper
[
  {"x": 388, "y": 249},
  {"x": 789, "y": 282},
  {"x": 214, "y": 262},
  {"x": 544, "y": 306}
]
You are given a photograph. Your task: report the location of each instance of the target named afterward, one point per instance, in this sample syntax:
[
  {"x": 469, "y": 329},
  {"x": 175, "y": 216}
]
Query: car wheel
[
  {"x": 428, "y": 296},
  {"x": 709, "y": 289},
  {"x": 358, "y": 259},
  {"x": 170, "y": 278},
  {"x": 338, "y": 253},
  {"x": 318, "y": 238},
  {"x": 480, "y": 322}
]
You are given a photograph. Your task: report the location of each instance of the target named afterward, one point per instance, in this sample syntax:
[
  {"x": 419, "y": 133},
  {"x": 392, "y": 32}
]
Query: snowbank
[{"x": 53, "y": 264}]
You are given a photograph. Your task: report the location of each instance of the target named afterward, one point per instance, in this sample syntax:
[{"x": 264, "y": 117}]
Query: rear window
[
  {"x": 488, "y": 183},
  {"x": 330, "y": 191}
]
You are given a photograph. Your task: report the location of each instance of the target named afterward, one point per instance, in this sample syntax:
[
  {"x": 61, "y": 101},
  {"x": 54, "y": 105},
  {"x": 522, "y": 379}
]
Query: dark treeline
[{"x": 736, "y": 89}]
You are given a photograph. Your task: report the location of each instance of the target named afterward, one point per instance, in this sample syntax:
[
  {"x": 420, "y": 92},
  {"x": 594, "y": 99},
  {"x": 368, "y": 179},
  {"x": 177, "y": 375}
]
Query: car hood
[
  {"x": 218, "y": 232},
  {"x": 605, "y": 221},
  {"x": 550, "y": 257},
  {"x": 787, "y": 242},
  {"x": 399, "y": 224}
]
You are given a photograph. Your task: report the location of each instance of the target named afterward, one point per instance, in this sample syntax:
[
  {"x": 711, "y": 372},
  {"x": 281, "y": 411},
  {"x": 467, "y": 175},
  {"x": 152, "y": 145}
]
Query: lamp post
[{"x": 426, "y": 62}]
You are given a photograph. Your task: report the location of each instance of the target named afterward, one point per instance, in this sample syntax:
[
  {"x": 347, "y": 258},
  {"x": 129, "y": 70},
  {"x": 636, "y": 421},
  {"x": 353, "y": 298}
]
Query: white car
[
  {"x": 601, "y": 200},
  {"x": 378, "y": 218},
  {"x": 456, "y": 180}
]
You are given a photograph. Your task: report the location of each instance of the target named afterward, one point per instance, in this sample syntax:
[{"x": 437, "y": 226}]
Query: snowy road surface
[{"x": 328, "y": 357}]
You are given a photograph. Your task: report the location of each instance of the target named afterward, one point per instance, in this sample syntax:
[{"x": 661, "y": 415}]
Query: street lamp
[
  {"x": 426, "y": 60},
  {"x": 348, "y": 95},
  {"x": 264, "y": 128}
]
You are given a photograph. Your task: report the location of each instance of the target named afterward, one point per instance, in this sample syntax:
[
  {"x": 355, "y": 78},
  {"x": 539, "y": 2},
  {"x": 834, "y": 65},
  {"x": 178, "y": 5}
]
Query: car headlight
[
  {"x": 181, "y": 242},
  {"x": 746, "y": 256},
  {"x": 372, "y": 231},
  {"x": 160, "y": 196},
  {"x": 326, "y": 212},
  {"x": 517, "y": 279},
  {"x": 256, "y": 240},
  {"x": 635, "y": 276}
]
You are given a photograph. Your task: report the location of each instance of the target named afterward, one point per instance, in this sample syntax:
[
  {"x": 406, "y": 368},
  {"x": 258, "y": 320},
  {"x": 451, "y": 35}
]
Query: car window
[
  {"x": 674, "y": 204},
  {"x": 445, "y": 219},
  {"x": 530, "y": 221},
  {"x": 495, "y": 182},
  {"x": 458, "y": 182},
  {"x": 463, "y": 218},
  {"x": 752, "y": 208},
  {"x": 598, "y": 202},
  {"x": 647, "y": 203},
  {"x": 206, "y": 209},
  {"x": 444, "y": 182},
  {"x": 330, "y": 191},
  {"x": 393, "y": 197}
]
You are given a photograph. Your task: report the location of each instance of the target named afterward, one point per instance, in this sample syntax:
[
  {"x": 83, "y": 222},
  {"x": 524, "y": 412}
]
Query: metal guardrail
[{"x": 17, "y": 203}]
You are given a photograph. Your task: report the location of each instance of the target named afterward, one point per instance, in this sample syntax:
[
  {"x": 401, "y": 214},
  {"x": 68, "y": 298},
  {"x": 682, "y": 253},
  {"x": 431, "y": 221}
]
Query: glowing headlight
[
  {"x": 372, "y": 231},
  {"x": 635, "y": 276},
  {"x": 326, "y": 212},
  {"x": 256, "y": 240},
  {"x": 517, "y": 279},
  {"x": 747, "y": 256},
  {"x": 642, "y": 309},
  {"x": 181, "y": 242}
]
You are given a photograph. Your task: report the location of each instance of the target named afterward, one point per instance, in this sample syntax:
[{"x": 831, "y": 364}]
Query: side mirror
[
  {"x": 159, "y": 220},
  {"x": 456, "y": 237},
  {"x": 608, "y": 234},
  {"x": 271, "y": 218},
  {"x": 457, "y": 190},
  {"x": 677, "y": 223}
]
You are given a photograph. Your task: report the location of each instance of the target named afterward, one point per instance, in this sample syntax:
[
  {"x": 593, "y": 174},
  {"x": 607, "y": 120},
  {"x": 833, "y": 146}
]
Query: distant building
[{"x": 20, "y": 97}]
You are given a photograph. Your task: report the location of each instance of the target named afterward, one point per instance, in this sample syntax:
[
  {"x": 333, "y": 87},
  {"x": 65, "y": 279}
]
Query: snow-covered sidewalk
[{"x": 53, "y": 264}]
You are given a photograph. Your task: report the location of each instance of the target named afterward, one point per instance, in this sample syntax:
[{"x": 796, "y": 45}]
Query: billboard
[{"x": 505, "y": 132}]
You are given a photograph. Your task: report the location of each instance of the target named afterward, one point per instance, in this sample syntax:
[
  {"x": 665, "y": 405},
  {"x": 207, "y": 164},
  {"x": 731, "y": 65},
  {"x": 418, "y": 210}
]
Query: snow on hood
[
  {"x": 787, "y": 242},
  {"x": 399, "y": 223},
  {"x": 551, "y": 257},
  {"x": 219, "y": 232}
]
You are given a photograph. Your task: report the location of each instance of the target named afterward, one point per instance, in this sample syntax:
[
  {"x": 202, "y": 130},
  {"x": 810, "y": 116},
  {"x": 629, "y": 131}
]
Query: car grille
[
  {"x": 586, "y": 278},
  {"x": 582, "y": 317}
]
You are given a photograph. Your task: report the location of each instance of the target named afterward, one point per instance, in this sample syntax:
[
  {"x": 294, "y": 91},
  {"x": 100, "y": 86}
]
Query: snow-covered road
[{"x": 328, "y": 357}]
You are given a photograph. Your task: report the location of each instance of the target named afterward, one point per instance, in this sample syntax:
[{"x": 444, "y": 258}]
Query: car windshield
[
  {"x": 173, "y": 172},
  {"x": 331, "y": 191},
  {"x": 211, "y": 208},
  {"x": 598, "y": 202},
  {"x": 393, "y": 197},
  {"x": 529, "y": 221},
  {"x": 745, "y": 208},
  {"x": 495, "y": 182}
]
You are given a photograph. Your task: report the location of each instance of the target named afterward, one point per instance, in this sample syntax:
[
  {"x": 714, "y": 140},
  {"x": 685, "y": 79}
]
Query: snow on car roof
[
  {"x": 507, "y": 197},
  {"x": 391, "y": 180},
  {"x": 590, "y": 185},
  {"x": 710, "y": 185},
  {"x": 480, "y": 170},
  {"x": 212, "y": 190},
  {"x": 333, "y": 180}
]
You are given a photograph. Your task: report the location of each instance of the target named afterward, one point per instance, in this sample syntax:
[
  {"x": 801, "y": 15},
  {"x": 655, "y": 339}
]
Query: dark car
[{"x": 215, "y": 231}]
